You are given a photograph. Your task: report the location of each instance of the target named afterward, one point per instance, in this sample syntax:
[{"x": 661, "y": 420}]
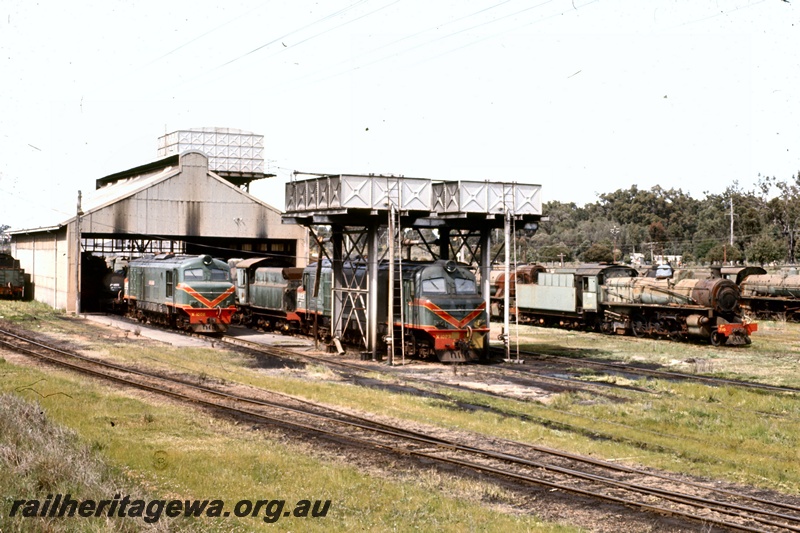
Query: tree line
[{"x": 662, "y": 221}]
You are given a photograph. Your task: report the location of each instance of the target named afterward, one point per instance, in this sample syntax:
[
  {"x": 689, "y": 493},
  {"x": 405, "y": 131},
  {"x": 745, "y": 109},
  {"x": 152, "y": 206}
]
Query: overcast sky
[{"x": 580, "y": 96}]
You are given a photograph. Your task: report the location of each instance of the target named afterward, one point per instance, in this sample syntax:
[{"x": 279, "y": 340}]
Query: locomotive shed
[
  {"x": 193, "y": 200},
  {"x": 372, "y": 218}
]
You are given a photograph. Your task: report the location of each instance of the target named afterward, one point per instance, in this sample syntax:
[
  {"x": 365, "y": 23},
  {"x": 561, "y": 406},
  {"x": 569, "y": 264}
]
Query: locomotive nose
[{"x": 727, "y": 298}]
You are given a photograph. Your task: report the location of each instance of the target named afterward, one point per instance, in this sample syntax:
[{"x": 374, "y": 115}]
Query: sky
[{"x": 582, "y": 97}]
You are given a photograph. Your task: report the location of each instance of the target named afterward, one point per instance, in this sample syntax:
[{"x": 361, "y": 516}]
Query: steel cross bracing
[
  {"x": 350, "y": 293},
  {"x": 465, "y": 245}
]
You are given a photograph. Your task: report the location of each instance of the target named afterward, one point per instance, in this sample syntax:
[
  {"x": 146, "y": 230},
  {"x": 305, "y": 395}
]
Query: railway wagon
[
  {"x": 192, "y": 293},
  {"x": 12, "y": 278},
  {"x": 613, "y": 299},
  {"x": 520, "y": 274}
]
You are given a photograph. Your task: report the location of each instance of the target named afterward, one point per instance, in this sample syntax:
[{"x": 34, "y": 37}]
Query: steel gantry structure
[{"x": 370, "y": 218}]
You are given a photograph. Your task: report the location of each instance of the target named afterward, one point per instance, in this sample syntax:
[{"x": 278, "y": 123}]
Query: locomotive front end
[
  {"x": 450, "y": 312},
  {"x": 206, "y": 295}
]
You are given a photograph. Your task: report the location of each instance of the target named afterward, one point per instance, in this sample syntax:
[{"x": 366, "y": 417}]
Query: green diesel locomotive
[{"x": 193, "y": 293}]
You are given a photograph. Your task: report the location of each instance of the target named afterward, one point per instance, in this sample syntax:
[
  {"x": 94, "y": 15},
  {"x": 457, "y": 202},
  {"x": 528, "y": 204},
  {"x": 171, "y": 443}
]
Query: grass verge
[{"x": 174, "y": 452}]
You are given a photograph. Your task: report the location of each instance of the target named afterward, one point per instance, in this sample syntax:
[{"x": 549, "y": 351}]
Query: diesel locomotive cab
[{"x": 442, "y": 311}]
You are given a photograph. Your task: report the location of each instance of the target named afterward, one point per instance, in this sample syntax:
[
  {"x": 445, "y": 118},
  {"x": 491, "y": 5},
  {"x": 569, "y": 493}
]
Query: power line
[
  {"x": 285, "y": 35},
  {"x": 437, "y": 39},
  {"x": 722, "y": 12},
  {"x": 209, "y": 32},
  {"x": 396, "y": 41},
  {"x": 278, "y": 39}
]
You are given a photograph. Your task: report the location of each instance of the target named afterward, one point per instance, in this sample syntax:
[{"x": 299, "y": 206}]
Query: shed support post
[{"x": 486, "y": 270}]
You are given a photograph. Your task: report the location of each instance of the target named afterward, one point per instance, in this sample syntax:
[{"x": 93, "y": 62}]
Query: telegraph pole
[
  {"x": 731, "y": 221},
  {"x": 78, "y": 215},
  {"x": 615, "y": 232}
]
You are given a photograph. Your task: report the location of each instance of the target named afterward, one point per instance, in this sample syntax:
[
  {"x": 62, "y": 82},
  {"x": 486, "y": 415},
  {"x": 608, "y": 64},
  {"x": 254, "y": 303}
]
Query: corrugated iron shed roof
[{"x": 177, "y": 196}]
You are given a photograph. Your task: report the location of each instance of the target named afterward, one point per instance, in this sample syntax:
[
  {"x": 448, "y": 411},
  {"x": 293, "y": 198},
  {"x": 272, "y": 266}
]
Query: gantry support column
[
  {"x": 372, "y": 298},
  {"x": 337, "y": 283},
  {"x": 444, "y": 243}
]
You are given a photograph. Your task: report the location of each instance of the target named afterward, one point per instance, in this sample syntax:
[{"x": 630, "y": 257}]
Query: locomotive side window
[
  {"x": 434, "y": 286},
  {"x": 217, "y": 274},
  {"x": 193, "y": 274},
  {"x": 168, "y": 284}
]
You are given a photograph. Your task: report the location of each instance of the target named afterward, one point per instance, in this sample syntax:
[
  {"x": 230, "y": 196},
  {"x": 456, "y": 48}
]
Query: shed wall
[{"x": 46, "y": 257}]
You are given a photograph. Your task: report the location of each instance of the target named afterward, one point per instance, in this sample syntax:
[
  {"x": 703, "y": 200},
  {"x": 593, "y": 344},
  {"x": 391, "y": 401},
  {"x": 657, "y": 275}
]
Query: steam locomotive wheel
[
  {"x": 639, "y": 328},
  {"x": 717, "y": 338}
]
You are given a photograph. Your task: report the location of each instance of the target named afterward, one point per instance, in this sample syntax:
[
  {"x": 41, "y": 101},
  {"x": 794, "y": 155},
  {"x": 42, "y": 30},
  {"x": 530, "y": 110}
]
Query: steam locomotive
[
  {"x": 771, "y": 295},
  {"x": 614, "y": 299}
]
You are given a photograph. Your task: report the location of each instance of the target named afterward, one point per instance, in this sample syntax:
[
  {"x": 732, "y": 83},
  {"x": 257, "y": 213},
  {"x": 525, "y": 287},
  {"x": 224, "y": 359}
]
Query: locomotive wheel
[
  {"x": 717, "y": 338},
  {"x": 639, "y": 329}
]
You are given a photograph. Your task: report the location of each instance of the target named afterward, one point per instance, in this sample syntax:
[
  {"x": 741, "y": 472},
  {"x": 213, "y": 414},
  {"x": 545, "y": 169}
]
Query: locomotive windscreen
[{"x": 438, "y": 280}]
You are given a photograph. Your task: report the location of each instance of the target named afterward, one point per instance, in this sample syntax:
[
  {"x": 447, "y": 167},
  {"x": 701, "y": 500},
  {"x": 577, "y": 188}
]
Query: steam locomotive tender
[
  {"x": 12, "y": 278},
  {"x": 192, "y": 293},
  {"x": 613, "y": 299}
]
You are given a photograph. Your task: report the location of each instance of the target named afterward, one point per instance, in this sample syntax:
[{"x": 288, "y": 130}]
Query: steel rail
[
  {"x": 425, "y": 439},
  {"x": 663, "y": 373},
  {"x": 541, "y": 449}
]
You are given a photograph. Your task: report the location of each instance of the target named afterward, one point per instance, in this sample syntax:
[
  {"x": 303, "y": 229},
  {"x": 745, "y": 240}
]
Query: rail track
[
  {"x": 524, "y": 464},
  {"x": 639, "y": 371},
  {"x": 525, "y": 370}
]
